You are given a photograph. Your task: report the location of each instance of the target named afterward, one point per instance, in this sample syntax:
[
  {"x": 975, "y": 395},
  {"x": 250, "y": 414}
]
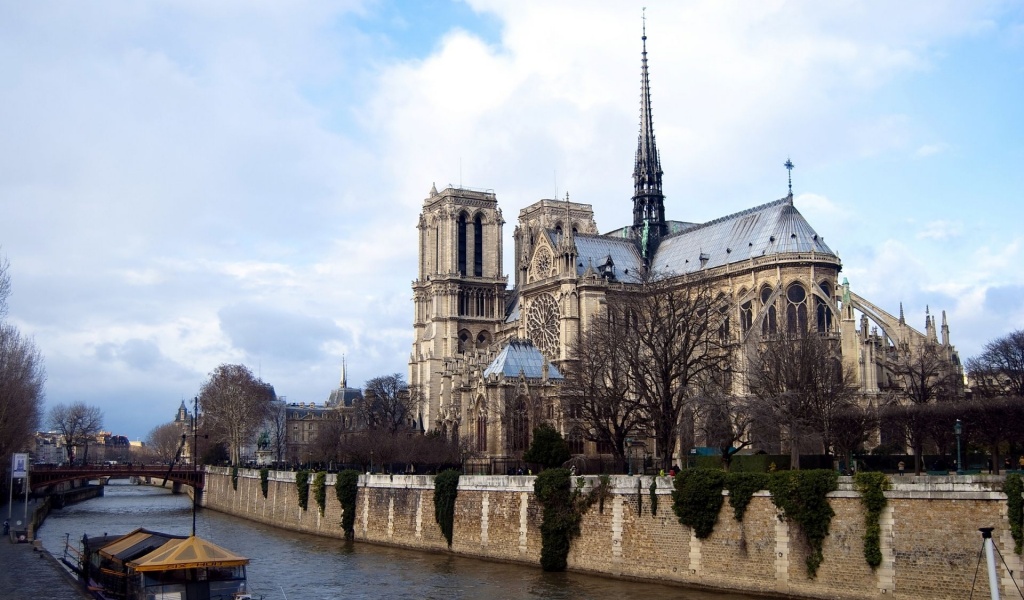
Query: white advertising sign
[{"x": 19, "y": 466}]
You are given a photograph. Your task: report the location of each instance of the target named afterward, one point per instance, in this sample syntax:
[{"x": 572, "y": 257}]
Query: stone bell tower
[{"x": 459, "y": 294}]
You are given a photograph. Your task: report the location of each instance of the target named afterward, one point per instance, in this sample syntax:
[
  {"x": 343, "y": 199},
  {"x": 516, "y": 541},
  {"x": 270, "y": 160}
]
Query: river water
[{"x": 294, "y": 566}]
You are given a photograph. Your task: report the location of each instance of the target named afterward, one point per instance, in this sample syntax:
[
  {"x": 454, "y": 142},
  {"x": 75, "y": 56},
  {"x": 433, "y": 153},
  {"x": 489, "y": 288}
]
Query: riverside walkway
[{"x": 28, "y": 572}]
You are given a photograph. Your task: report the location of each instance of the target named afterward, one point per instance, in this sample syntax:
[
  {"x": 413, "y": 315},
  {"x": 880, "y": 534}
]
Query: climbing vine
[
  {"x": 741, "y": 488},
  {"x": 446, "y": 488},
  {"x": 1013, "y": 487},
  {"x": 320, "y": 490},
  {"x": 346, "y": 488},
  {"x": 639, "y": 497},
  {"x": 562, "y": 509},
  {"x": 264, "y": 480},
  {"x": 654, "y": 496},
  {"x": 302, "y": 486},
  {"x": 802, "y": 498},
  {"x": 234, "y": 478},
  {"x": 872, "y": 488},
  {"x": 697, "y": 499}
]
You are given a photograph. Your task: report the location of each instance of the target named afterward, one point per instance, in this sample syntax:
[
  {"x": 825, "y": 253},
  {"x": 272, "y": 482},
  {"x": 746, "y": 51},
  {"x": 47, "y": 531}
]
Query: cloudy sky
[{"x": 190, "y": 183}]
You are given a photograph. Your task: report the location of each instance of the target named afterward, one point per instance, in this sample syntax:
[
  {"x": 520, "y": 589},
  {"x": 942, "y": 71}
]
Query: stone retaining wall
[{"x": 930, "y": 538}]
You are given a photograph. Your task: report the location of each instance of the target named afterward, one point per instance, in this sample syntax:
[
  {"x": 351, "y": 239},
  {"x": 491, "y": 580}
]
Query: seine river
[{"x": 294, "y": 566}]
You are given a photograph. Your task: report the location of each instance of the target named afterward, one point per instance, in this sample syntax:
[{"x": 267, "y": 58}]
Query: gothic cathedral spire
[{"x": 648, "y": 199}]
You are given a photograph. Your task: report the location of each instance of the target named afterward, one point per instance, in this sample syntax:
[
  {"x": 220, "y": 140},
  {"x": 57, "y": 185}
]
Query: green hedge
[{"x": 264, "y": 480}]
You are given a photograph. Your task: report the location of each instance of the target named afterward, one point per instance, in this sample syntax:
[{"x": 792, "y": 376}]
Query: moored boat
[{"x": 149, "y": 565}]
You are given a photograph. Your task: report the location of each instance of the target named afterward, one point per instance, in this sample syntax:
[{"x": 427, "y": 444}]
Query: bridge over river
[{"x": 44, "y": 479}]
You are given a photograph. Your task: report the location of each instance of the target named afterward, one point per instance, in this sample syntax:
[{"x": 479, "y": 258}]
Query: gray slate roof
[
  {"x": 773, "y": 228},
  {"x": 521, "y": 356}
]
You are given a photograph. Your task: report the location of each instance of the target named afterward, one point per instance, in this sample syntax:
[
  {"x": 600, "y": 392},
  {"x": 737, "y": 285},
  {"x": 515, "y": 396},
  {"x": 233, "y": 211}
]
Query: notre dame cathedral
[{"x": 487, "y": 358}]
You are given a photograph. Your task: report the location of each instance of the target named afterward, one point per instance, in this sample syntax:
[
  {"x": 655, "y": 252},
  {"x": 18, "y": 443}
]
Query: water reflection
[{"x": 293, "y": 566}]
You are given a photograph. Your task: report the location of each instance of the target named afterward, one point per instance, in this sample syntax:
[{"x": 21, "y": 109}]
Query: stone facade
[
  {"x": 930, "y": 539},
  {"x": 774, "y": 273}
]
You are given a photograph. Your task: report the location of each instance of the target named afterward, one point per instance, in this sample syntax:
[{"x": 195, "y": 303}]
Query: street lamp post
[{"x": 958, "y": 428}]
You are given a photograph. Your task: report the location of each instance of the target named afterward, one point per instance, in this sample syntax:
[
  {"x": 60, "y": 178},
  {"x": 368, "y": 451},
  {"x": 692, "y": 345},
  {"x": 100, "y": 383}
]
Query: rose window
[{"x": 542, "y": 325}]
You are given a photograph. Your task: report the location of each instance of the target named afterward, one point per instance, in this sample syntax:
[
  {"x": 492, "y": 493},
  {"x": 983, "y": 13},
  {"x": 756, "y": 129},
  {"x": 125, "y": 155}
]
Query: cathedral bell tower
[{"x": 459, "y": 293}]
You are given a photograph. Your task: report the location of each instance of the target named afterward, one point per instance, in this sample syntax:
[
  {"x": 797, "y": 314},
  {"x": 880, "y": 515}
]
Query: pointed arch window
[
  {"x": 481, "y": 433},
  {"x": 478, "y": 247},
  {"x": 461, "y": 235},
  {"x": 796, "y": 309},
  {"x": 770, "y": 324}
]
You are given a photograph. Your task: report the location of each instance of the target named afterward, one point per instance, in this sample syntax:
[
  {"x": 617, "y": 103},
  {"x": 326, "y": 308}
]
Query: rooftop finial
[
  {"x": 643, "y": 17},
  {"x": 789, "y": 167}
]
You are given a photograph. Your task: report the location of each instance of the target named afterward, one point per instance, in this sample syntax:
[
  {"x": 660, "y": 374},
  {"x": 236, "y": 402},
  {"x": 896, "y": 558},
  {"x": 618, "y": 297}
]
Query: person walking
[{"x": 901, "y": 466}]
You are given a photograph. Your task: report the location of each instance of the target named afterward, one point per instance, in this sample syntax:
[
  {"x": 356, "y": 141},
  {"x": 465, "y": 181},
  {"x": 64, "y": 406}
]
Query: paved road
[{"x": 27, "y": 573}]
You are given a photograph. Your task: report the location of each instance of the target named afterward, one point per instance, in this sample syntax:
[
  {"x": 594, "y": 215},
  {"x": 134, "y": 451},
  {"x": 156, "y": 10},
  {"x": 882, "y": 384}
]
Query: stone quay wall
[{"x": 930, "y": 541}]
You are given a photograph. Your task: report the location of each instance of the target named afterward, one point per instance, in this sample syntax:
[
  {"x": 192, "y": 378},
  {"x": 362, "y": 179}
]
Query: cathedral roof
[
  {"x": 766, "y": 230},
  {"x": 595, "y": 250},
  {"x": 521, "y": 357},
  {"x": 344, "y": 396}
]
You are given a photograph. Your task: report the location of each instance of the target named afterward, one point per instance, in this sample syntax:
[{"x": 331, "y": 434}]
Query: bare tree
[
  {"x": 851, "y": 429},
  {"x": 234, "y": 404},
  {"x": 21, "y": 387},
  {"x": 725, "y": 422},
  {"x": 800, "y": 380},
  {"x": 674, "y": 336},
  {"x": 921, "y": 376},
  {"x": 78, "y": 423},
  {"x": 596, "y": 388},
  {"x": 999, "y": 369},
  {"x": 164, "y": 441},
  {"x": 389, "y": 404},
  {"x": 5, "y": 285},
  {"x": 276, "y": 427}
]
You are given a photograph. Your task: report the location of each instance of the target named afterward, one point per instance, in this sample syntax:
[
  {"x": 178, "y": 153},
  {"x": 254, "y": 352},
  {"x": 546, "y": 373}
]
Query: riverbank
[
  {"x": 929, "y": 532},
  {"x": 29, "y": 572}
]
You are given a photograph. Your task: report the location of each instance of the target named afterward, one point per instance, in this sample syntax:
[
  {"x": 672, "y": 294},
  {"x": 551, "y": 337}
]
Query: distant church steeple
[{"x": 648, "y": 199}]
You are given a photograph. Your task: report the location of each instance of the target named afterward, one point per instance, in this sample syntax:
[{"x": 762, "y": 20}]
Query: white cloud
[
  {"x": 185, "y": 184},
  {"x": 940, "y": 230}
]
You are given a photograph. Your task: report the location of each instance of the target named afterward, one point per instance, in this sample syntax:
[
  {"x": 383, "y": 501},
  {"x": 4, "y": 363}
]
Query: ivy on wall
[
  {"x": 1013, "y": 487},
  {"x": 654, "y": 496},
  {"x": 302, "y": 486},
  {"x": 446, "y": 488},
  {"x": 346, "y": 489},
  {"x": 802, "y": 498},
  {"x": 320, "y": 490},
  {"x": 264, "y": 480},
  {"x": 697, "y": 499},
  {"x": 234, "y": 478},
  {"x": 742, "y": 487},
  {"x": 639, "y": 497},
  {"x": 562, "y": 508},
  {"x": 872, "y": 487}
]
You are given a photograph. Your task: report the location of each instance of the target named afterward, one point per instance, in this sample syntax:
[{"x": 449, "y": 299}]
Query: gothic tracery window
[
  {"x": 770, "y": 324},
  {"x": 796, "y": 309},
  {"x": 542, "y": 325}
]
